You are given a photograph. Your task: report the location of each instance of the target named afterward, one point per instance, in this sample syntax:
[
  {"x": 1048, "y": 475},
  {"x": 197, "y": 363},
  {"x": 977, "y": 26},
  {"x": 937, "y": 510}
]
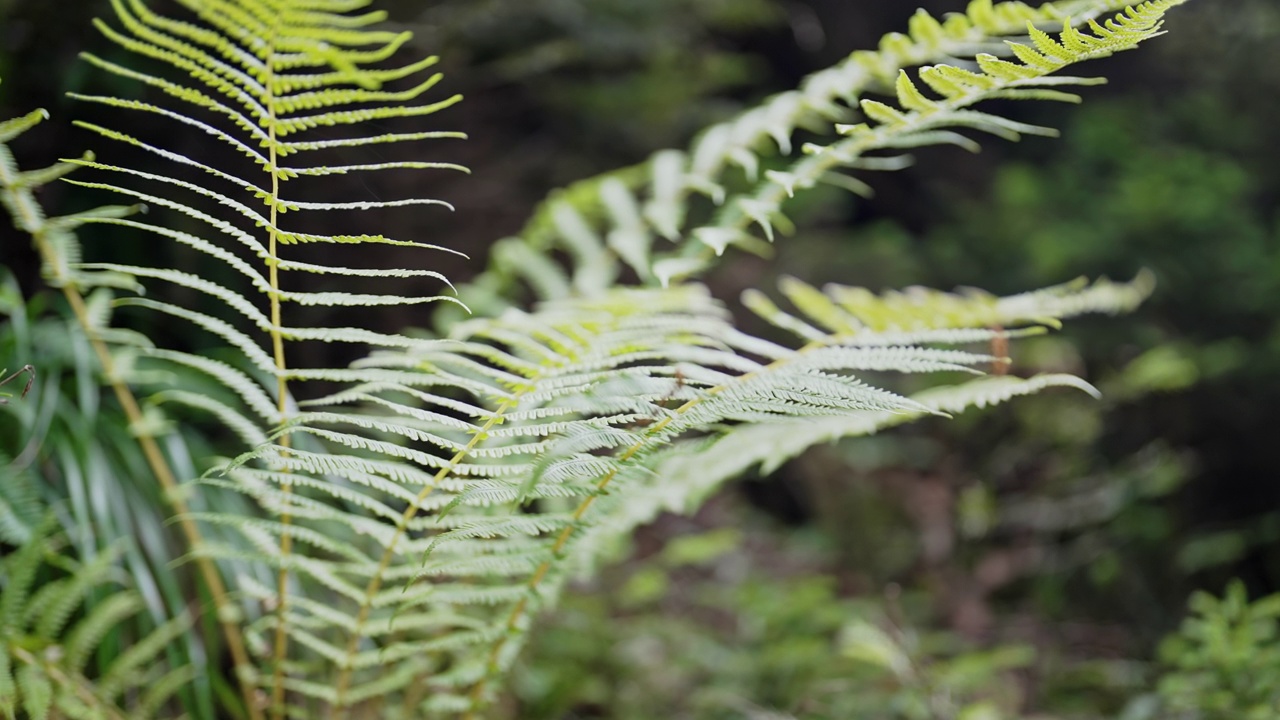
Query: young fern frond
[{"x": 47, "y": 640}]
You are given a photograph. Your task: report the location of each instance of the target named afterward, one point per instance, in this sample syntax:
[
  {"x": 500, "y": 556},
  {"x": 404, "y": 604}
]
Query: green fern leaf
[{"x": 8, "y": 688}]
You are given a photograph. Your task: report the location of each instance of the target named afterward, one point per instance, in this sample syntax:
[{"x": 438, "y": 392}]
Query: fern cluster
[
  {"x": 414, "y": 511},
  {"x": 47, "y": 647}
]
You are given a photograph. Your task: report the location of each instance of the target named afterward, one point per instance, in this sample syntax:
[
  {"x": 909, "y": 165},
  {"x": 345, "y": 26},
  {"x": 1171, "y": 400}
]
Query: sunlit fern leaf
[
  {"x": 272, "y": 69},
  {"x": 47, "y": 638},
  {"x": 857, "y": 316}
]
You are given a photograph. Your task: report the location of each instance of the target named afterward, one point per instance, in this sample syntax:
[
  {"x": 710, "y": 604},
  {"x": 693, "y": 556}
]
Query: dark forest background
[{"x": 1032, "y": 556}]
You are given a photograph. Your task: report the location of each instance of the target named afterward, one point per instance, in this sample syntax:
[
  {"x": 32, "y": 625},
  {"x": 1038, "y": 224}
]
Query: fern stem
[
  {"x": 33, "y": 221},
  {"x": 375, "y": 582},
  {"x": 281, "y": 644}
]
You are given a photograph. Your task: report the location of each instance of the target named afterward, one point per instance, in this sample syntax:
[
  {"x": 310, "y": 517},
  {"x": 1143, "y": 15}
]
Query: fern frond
[
  {"x": 624, "y": 213},
  {"x": 861, "y": 330},
  {"x": 800, "y": 397},
  {"x": 416, "y": 518},
  {"x": 240, "y": 69},
  {"x": 857, "y": 316},
  {"x": 769, "y": 445},
  {"x": 455, "y": 476},
  {"x": 255, "y": 77},
  {"x": 921, "y": 120},
  {"x": 60, "y": 254}
]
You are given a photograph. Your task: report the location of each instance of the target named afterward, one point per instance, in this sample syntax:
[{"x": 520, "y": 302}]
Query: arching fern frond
[
  {"x": 436, "y": 494},
  {"x": 689, "y": 470},
  {"x": 918, "y": 119}
]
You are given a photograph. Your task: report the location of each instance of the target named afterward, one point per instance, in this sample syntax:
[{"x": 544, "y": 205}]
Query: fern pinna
[{"x": 412, "y": 521}]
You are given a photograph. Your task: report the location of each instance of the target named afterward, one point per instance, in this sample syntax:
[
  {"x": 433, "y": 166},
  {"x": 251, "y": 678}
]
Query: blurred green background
[{"x": 1025, "y": 561}]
